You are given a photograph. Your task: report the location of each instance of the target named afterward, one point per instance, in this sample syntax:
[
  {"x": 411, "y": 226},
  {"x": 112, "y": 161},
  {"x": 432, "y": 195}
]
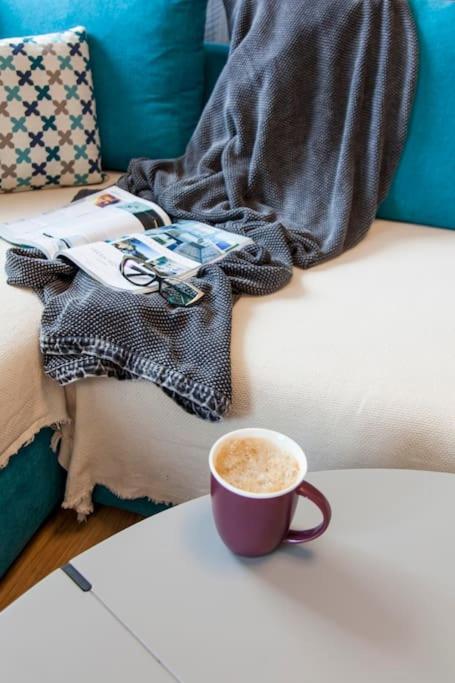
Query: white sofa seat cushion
[{"x": 355, "y": 359}]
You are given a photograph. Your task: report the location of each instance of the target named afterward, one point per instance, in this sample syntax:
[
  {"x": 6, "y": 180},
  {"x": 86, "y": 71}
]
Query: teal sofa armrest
[
  {"x": 31, "y": 487},
  {"x": 215, "y": 57}
]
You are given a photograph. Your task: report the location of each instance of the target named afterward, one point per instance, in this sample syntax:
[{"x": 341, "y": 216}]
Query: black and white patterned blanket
[{"x": 296, "y": 148}]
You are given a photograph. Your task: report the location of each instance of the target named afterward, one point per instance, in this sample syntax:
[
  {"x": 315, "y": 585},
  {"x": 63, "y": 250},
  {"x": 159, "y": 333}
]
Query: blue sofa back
[
  {"x": 423, "y": 190},
  {"x": 147, "y": 61},
  {"x": 423, "y": 187}
]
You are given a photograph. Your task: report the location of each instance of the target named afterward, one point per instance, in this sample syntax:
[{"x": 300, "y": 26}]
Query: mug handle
[{"x": 312, "y": 493}]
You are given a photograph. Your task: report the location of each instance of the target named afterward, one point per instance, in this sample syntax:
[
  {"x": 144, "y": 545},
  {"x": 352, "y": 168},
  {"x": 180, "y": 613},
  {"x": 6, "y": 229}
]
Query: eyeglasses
[{"x": 174, "y": 291}]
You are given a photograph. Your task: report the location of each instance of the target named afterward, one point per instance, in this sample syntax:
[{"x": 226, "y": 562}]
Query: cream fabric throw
[{"x": 29, "y": 400}]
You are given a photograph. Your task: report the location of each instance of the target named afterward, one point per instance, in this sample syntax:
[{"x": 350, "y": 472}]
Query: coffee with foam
[{"x": 256, "y": 464}]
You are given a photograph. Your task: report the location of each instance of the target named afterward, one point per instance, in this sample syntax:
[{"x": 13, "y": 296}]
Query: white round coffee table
[{"x": 372, "y": 600}]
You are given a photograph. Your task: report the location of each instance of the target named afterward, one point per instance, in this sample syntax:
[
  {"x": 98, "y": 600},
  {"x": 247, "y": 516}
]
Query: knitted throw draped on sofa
[{"x": 296, "y": 148}]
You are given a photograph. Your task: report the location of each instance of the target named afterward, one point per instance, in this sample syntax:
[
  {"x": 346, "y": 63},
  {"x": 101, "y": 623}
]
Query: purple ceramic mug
[{"x": 253, "y": 524}]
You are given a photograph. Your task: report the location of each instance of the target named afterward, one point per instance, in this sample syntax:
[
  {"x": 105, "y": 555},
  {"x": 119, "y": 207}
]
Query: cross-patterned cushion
[{"x": 48, "y": 129}]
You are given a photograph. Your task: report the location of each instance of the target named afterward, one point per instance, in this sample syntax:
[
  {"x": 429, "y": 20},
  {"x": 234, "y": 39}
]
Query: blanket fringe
[
  {"x": 29, "y": 436},
  {"x": 82, "y": 505}
]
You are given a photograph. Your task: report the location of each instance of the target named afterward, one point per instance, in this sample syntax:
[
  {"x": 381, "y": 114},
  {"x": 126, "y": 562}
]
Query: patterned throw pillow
[{"x": 48, "y": 128}]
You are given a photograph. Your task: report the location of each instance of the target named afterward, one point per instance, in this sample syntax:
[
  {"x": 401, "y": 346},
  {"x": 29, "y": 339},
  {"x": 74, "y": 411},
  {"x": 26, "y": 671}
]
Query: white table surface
[
  {"x": 56, "y": 633},
  {"x": 372, "y": 600}
]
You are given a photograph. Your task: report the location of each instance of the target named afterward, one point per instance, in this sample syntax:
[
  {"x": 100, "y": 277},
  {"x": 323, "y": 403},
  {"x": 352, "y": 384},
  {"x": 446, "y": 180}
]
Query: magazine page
[
  {"x": 107, "y": 214},
  {"x": 199, "y": 242},
  {"x": 102, "y": 260}
]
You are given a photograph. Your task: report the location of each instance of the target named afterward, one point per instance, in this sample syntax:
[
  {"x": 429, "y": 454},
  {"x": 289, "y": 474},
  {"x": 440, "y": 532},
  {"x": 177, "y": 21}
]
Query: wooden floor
[{"x": 57, "y": 542}]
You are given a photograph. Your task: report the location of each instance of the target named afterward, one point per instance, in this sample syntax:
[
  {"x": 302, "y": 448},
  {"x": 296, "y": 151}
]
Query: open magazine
[{"x": 99, "y": 231}]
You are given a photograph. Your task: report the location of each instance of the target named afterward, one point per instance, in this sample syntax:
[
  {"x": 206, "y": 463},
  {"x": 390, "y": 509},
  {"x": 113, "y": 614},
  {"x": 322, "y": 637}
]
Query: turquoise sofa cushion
[
  {"x": 147, "y": 62},
  {"x": 423, "y": 190},
  {"x": 31, "y": 487}
]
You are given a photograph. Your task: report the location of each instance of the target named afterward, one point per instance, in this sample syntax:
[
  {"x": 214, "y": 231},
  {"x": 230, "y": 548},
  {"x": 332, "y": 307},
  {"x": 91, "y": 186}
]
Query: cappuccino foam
[{"x": 256, "y": 464}]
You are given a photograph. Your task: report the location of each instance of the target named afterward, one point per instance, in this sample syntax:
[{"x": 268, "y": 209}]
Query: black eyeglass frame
[{"x": 147, "y": 268}]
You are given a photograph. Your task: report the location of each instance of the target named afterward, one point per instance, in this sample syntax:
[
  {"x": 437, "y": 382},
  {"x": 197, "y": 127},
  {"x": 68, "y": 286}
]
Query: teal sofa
[{"x": 33, "y": 483}]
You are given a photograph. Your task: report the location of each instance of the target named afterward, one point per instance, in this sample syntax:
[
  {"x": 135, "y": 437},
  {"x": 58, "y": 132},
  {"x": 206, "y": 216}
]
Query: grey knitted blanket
[{"x": 296, "y": 148}]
